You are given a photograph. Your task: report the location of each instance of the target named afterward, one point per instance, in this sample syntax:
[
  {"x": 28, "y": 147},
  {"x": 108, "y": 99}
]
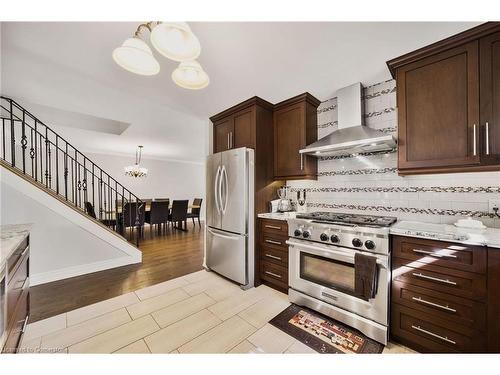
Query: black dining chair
[
  {"x": 158, "y": 214},
  {"x": 89, "y": 209},
  {"x": 129, "y": 216},
  {"x": 195, "y": 211},
  {"x": 179, "y": 214}
]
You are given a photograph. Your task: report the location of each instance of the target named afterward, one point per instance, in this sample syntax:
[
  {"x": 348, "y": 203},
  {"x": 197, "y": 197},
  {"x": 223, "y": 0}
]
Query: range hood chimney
[{"x": 351, "y": 137}]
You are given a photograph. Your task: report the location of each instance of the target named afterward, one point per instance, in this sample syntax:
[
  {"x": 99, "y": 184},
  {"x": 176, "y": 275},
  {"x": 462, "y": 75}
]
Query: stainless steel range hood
[{"x": 351, "y": 137}]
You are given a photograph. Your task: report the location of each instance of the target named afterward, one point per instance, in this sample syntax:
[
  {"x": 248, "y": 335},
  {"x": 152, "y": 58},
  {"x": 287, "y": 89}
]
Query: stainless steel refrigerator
[{"x": 230, "y": 215}]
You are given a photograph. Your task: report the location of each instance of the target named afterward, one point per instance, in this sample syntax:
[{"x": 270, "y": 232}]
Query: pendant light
[
  {"x": 135, "y": 56},
  {"x": 136, "y": 170},
  {"x": 175, "y": 41},
  {"x": 190, "y": 75}
]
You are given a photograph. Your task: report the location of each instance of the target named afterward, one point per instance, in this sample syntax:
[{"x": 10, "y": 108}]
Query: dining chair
[
  {"x": 179, "y": 213},
  {"x": 89, "y": 209},
  {"x": 161, "y": 199},
  {"x": 129, "y": 216},
  {"x": 158, "y": 214},
  {"x": 195, "y": 211}
]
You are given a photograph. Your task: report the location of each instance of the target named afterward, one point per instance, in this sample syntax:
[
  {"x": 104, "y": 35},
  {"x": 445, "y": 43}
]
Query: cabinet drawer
[
  {"x": 16, "y": 255},
  {"x": 269, "y": 226},
  {"x": 455, "y": 309},
  {"x": 274, "y": 241},
  {"x": 428, "y": 334},
  {"x": 274, "y": 274},
  {"x": 15, "y": 327},
  {"x": 15, "y": 286},
  {"x": 438, "y": 253},
  {"x": 458, "y": 283},
  {"x": 272, "y": 255}
]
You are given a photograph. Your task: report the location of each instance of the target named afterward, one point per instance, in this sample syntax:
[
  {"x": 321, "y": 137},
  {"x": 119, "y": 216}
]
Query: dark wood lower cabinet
[
  {"x": 445, "y": 296},
  {"x": 494, "y": 300},
  {"x": 272, "y": 253}
]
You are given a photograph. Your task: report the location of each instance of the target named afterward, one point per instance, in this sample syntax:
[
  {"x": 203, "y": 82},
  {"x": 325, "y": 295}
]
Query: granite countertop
[
  {"x": 11, "y": 237},
  {"x": 278, "y": 215},
  {"x": 444, "y": 232}
]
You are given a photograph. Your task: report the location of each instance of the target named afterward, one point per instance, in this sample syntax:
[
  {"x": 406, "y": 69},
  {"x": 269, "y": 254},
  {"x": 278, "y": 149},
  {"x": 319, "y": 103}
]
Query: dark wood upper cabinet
[
  {"x": 295, "y": 126},
  {"x": 448, "y": 97},
  {"x": 244, "y": 132},
  {"x": 490, "y": 98},
  {"x": 438, "y": 110},
  {"x": 222, "y": 134}
]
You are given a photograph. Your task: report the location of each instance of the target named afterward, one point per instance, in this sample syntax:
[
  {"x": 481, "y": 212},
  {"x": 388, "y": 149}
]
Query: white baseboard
[{"x": 64, "y": 273}]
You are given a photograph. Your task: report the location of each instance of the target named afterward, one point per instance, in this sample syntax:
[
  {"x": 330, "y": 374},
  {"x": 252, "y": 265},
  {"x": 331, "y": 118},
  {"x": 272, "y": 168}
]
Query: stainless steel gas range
[{"x": 322, "y": 276}]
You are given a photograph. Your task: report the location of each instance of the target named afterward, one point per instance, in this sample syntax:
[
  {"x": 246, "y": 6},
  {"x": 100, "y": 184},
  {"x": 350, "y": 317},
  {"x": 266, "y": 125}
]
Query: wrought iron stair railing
[{"x": 41, "y": 155}]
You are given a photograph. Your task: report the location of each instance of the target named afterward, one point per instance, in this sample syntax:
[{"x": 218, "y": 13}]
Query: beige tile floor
[{"x": 197, "y": 313}]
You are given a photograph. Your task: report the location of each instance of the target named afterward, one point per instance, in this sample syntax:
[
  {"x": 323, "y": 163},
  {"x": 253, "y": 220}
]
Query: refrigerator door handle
[
  {"x": 219, "y": 191},
  {"x": 224, "y": 173},
  {"x": 216, "y": 189},
  {"x": 218, "y": 234}
]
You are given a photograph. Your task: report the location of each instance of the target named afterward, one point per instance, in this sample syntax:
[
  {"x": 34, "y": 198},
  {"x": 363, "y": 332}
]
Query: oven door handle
[{"x": 345, "y": 254}]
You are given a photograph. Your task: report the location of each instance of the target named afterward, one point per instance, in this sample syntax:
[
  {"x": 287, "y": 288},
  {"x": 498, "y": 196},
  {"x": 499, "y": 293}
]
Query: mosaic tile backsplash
[{"x": 369, "y": 183}]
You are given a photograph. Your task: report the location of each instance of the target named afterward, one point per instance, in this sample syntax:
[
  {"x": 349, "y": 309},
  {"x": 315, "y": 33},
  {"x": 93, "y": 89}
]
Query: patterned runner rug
[{"x": 323, "y": 334}]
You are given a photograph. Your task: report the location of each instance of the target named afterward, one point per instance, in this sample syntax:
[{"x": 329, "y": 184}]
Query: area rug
[{"x": 323, "y": 334}]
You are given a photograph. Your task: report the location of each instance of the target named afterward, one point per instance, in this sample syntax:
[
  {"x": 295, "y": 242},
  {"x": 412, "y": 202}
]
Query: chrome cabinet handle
[
  {"x": 301, "y": 162},
  {"x": 24, "y": 325},
  {"x": 444, "y": 281},
  {"x": 228, "y": 145},
  {"x": 272, "y": 227},
  {"x": 272, "y": 256},
  {"x": 417, "y": 328},
  {"x": 487, "y": 138},
  {"x": 474, "y": 144},
  {"x": 432, "y": 254},
  {"x": 273, "y": 242},
  {"x": 420, "y": 300},
  {"x": 273, "y": 274}
]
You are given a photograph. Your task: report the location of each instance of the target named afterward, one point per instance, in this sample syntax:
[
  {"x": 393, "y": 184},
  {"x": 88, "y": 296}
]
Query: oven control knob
[
  {"x": 306, "y": 234},
  {"x": 370, "y": 245},
  {"x": 334, "y": 238},
  {"x": 297, "y": 233},
  {"x": 323, "y": 237},
  {"x": 357, "y": 242}
]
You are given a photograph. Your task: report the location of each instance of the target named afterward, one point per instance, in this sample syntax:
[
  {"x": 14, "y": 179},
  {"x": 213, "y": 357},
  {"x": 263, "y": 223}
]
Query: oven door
[{"x": 326, "y": 272}]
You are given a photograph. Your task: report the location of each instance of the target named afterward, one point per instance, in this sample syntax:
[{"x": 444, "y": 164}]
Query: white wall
[
  {"x": 166, "y": 179},
  {"x": 63, "y": 242}
]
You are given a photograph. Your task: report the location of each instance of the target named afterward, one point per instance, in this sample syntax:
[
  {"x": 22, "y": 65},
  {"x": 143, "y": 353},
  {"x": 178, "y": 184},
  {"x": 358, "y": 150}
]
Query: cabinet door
[
  {"x": 289, "y": 138},
  {"x": 222, "y": 134},
  {"x": 493, "y": 300},
  {"x": 490, "y": 98},
  {"x": 244, "y": 129},
  {"x": 438, "y": 111}
]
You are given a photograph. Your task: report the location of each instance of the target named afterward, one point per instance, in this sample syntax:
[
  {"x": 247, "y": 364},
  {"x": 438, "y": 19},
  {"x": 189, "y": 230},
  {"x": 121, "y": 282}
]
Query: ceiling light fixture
[
  {"x": 135, "y": 55},
  {"x": 190, "y": 75},
  {"x": 136, "y": 170},
  {"x": 174, "y": 40}
]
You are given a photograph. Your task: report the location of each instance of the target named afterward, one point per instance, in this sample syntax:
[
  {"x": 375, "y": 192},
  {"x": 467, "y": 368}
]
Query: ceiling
[{"x": 273, "y": 60}]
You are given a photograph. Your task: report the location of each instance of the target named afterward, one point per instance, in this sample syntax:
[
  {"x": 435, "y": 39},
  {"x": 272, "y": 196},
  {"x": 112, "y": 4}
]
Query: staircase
[{"x": 39, "y": 155}]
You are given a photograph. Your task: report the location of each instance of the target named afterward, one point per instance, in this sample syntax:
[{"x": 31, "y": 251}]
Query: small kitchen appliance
[
  {"x": 301, "y": 201},
  {"x": 284, "y": 204}
]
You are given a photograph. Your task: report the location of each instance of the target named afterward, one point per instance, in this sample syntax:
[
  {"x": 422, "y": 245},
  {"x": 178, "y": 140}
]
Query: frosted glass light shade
[
  {"x": 135, "y": 56},
  {"x": 175, "y": 41},
  {"x": 190, "y": 75}
]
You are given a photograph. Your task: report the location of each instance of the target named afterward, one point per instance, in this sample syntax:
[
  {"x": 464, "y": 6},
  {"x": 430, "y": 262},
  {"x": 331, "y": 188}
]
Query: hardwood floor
[{"x": 164, "y": 257}]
